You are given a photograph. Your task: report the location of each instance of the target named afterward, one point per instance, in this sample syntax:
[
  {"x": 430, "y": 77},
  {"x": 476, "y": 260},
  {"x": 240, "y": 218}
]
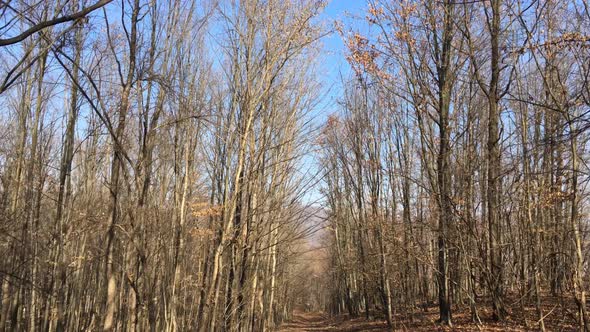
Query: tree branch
[{"x": 55, "y": 21}]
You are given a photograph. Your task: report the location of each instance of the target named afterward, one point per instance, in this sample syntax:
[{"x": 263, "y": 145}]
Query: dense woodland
[
  {"x": 456, "y": 172},
  {"x": 178, "y": 165},
  {"x": 148, "y": 182}
]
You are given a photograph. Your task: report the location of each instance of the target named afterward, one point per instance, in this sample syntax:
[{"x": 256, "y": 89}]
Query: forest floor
[
  {"x": 321, "y": 322},
  {"x": 559, "y": 316}
]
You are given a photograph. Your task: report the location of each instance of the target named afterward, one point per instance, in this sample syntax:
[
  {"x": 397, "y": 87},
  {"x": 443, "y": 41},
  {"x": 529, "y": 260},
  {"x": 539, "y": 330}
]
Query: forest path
[{"x": 321, "y": 322}]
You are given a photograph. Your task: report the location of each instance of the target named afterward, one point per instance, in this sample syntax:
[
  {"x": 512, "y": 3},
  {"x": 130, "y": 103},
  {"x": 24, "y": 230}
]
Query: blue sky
[
  {"x": 332, "y": 69},
  {"x": 332, "y": 65},
  {"x": 333, "y": 62}
]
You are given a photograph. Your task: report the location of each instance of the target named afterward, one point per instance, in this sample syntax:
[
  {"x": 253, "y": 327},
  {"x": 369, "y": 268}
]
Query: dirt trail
[{"x": 317, "y": 321}]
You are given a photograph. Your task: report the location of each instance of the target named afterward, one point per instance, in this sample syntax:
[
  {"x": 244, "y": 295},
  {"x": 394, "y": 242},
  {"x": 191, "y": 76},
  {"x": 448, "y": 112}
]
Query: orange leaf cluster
[
  {"x": 374, "y": 12},
  {"x": 404, "y": 36},
  {"x": 204, "y": 209},
  {"x": 332, "y": 123},
  {"x": 406, "y": 9},
  {"x": 554, "y": 196},
  {"x": 362, "y": 54}
]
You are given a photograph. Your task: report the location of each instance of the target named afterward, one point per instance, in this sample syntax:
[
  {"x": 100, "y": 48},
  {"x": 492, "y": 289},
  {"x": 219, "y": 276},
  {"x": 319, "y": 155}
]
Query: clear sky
[
  {"x": 333, "y": 61},
  {"x": 332, "y": 69}
]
